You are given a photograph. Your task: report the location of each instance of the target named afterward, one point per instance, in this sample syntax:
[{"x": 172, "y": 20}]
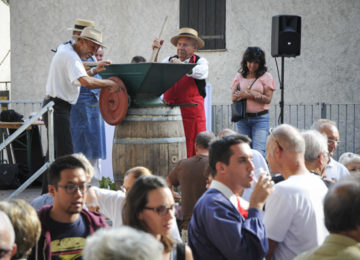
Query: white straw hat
[
  {"x": 80, "y": 24},
  {"x": 190, "y": 33},
  {"x": 91, "y": 34}
]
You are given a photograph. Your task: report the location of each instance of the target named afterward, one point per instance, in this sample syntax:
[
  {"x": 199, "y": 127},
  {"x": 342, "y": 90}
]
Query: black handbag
[
  {"x": 238, "y": 108},
  {"x": 9, "y": 176}
]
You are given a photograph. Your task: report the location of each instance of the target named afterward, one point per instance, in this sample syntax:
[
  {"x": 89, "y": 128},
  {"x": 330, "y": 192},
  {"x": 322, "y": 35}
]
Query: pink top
[{"x": 266, "y": 81}]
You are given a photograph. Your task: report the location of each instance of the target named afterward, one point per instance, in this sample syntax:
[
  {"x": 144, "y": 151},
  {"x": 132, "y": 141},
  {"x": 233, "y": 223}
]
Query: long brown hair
[
  {"x": 253, "y": 54},
  {"x": 136, "y": 200}
]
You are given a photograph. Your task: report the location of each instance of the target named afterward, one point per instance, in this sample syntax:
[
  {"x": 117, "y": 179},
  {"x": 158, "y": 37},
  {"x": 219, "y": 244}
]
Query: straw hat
[
  {"x": 91, "y": 34},
  {"x": 190, "y": 33},
  {"x": 80, "y": 24},
  {"x": 346, "y": 158}
]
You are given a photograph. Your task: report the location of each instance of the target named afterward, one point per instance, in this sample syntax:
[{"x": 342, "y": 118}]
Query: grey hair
[
  {"x": 342, "y": 205},
  {"x": 204, "y": 138},
  {"x": 122, "y": 243},
  {"x": 289, "y": 137},
  {"x": 6, "y": 225},
  {"x": 226, "y": 131},
  {"x": 319, "y": 124},
  {"x": 315, "y": 144}
]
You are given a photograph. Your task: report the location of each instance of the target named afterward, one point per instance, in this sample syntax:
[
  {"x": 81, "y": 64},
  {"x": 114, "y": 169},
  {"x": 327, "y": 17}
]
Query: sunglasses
[
  {"x": 162, "y": 210},
  {"x": 274, "y": 138}
]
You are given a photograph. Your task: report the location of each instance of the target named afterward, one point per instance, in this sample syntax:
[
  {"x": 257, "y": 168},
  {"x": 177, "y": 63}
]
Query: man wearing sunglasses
[
  {"x": 334, "y": 170},
  {"x": 65, "y": 225}
]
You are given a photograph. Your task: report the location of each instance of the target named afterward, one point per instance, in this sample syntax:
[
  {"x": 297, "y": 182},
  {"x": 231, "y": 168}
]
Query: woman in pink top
[{"x": 253, "y": 83}]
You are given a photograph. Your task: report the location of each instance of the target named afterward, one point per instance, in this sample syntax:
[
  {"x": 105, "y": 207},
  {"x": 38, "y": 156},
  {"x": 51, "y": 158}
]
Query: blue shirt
[{"x": 218, "y": 231}]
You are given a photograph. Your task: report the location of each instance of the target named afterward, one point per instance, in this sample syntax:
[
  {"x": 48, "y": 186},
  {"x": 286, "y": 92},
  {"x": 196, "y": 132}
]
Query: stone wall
[
  {"x": 4, "y": 43},
  {"x": 326, "y": 70}
]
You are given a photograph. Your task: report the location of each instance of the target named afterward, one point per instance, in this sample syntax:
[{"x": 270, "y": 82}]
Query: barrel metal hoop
[
  {"x": 160, "y": 111},
  {"x": 168, "y": 140},
  {"x": 159, "y": 118}
]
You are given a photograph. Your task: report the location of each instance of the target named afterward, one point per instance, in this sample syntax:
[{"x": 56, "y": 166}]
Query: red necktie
[{"x": 242, "y": 211}]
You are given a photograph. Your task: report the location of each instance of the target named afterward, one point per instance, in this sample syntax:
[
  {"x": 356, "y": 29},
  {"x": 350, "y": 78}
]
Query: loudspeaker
[{"x": 286, "y": 36}]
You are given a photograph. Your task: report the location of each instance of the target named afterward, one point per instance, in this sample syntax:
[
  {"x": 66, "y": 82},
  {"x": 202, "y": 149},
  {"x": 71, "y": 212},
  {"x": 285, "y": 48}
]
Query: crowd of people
[
  {"x": 252, "y": 194},
  {"x": 305, "y": 215}
]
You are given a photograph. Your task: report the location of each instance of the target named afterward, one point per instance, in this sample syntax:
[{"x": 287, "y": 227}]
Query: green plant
[{"x": 106, "y": 183}]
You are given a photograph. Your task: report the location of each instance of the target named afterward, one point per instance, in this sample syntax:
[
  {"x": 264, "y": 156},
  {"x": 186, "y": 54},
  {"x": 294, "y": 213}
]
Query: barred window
[{"x": 208, "y": 18}]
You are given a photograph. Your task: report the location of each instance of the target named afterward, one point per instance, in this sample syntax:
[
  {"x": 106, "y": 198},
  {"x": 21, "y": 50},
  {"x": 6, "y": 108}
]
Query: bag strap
[
  {"x": 180, "y": 251},
  {"x": 249, "y": 86},
  {"x": 252, "y": 83}
]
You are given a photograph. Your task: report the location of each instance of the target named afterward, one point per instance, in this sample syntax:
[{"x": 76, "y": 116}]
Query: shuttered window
[{"x": 208, "y": 18}]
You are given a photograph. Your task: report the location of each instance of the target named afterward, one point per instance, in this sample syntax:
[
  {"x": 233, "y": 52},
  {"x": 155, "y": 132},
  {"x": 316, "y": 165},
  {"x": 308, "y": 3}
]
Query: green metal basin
[{"x": 147, "y": 81}]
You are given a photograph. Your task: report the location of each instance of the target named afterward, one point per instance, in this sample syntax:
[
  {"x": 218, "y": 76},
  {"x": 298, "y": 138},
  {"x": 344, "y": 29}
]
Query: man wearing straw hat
[
  {"x": 190, "y": 89},
  {"x": 66, "y": 75},
  {"x": 79, "y": 26},
  {"x": 86, "y": 123}
]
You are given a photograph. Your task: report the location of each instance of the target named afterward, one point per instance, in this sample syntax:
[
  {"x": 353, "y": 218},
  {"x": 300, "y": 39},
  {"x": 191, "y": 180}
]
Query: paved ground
[{"x": 29, "y": 194}]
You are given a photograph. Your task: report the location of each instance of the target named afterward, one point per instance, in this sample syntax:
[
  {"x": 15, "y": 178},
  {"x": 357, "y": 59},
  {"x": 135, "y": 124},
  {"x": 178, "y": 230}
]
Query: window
[{"x": 208, "y": 18}]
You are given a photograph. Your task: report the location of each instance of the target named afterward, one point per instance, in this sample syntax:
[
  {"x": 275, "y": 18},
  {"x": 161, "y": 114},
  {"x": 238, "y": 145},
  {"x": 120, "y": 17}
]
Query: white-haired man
[
  {"x": 122, "y": 243},
  {"x": 316, "y": 154},
  {"x": 66, "y": 75},
  {"x": 293, "y": 212},
  {"x": 334, "y": 170}
]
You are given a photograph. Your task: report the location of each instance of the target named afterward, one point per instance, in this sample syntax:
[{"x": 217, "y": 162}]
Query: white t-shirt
[
  {"x": 111, "y": 205},
  {"x": 294, "y": 215},
  {"x": 65, "y": 69},
  {"x": 335, "y": 170}
]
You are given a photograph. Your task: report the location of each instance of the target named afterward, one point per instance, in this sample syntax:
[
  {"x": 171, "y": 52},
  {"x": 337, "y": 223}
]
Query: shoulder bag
[{"x": 238, "y": 108}]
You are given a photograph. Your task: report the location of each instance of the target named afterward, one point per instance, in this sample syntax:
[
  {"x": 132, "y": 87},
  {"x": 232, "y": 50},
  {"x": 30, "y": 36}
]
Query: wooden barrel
[{"x": 152, "y": 137}]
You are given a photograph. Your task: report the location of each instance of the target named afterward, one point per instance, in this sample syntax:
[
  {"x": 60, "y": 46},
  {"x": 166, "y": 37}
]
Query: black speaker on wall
[{"x": 286, "y": 36}]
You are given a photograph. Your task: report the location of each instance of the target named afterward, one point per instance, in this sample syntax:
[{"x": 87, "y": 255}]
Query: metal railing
[
  {"x": 302, "y": 116},
  {"x": 49, "y": 109},
  {"x": 25, "y": 107}
]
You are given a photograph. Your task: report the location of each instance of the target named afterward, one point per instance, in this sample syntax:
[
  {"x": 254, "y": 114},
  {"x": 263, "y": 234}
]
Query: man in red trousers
[{"x": 190, "y": 89}]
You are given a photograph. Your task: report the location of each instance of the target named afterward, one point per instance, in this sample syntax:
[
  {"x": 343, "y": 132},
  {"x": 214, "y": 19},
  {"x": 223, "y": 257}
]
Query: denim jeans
[{"x": 257, "y": 129}]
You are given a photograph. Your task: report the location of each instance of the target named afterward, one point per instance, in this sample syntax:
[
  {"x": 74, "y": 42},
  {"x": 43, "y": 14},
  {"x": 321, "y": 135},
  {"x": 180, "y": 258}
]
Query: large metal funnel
[{"x": 145, "y": 82}]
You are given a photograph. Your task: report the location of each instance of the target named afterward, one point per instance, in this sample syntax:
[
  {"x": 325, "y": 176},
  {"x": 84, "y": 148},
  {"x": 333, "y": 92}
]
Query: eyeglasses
[
  {"x": 162, "y": 210},
  {"x": 72, "y": 188},
  {"x": 332, "y": 141},
  {"x": 4, "y": 252},
  {"x": 276, "y": 141}
]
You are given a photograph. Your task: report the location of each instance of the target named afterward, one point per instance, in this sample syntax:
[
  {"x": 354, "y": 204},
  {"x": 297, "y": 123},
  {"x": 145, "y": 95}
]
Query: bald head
[
  {"x": 288, "y": 138},
  {"x": 7, "y": 236},
  {"x": 285, "y": 150}
]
